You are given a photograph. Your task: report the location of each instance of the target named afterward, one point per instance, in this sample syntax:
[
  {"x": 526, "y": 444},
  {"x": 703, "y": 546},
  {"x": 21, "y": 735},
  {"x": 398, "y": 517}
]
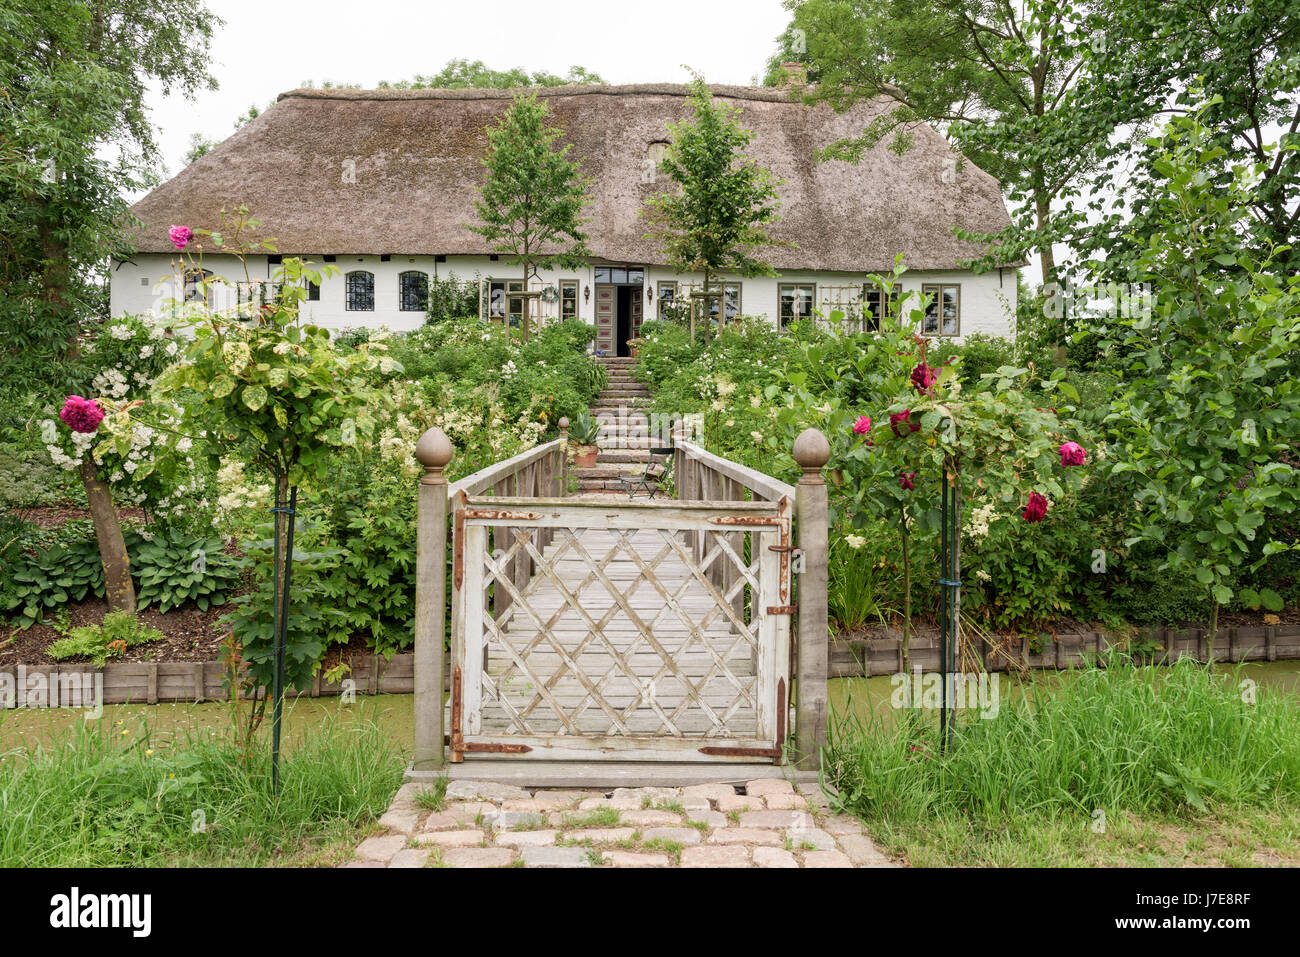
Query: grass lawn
[
  {"x": 1122, "y": 766},
  {"x": 177, "y": 787}
]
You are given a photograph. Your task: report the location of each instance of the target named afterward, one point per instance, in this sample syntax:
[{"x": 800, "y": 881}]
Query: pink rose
[
  {"x": 1072, "y": 453},
  {"x": 81, "y": 415},
  {"x": 1036, "y": 508},
  {"x": 180, "y": 236},
  {"x": 862, "y": 426},
  {"x": 906, "y": 479}
]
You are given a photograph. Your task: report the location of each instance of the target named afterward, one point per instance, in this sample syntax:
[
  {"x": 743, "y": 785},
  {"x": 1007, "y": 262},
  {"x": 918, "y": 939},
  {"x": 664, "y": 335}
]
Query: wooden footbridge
[{"x": 607, "y": 639}]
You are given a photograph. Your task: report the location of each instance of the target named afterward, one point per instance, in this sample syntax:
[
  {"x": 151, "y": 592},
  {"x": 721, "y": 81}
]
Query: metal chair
[{"x": 653, "y": 473}]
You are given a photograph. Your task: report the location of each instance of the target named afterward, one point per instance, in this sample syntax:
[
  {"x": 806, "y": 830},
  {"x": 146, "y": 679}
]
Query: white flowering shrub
[{"x": 149, "y": 466}]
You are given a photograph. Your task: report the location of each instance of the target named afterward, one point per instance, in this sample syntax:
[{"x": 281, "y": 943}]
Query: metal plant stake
[
  {"x": 282, "y": 572},
  {"x": 950, "y": 584}
]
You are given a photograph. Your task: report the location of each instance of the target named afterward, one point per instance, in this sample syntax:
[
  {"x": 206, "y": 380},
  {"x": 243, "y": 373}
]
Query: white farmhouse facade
[{"x": 381, "y": 185}]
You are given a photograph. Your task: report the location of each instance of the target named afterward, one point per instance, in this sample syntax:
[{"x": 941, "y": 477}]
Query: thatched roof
[{"x": 417, "y": 159}]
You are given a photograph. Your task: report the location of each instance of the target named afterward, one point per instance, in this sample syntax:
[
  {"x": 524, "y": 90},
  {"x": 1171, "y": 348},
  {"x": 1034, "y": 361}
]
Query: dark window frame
[
  {"x": 409, "y": 300},
  {"x": 782, "y": 319},
  {"x": 359, "y": 299}
]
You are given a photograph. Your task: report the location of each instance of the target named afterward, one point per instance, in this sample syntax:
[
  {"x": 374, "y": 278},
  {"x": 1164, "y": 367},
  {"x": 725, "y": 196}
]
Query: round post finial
[
  {"x": 564, "y": 427},
  {"x": 811, "y": 452},
  {"x": 433, "y": 451}
]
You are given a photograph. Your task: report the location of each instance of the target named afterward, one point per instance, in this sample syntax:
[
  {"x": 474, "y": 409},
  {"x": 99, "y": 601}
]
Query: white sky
[{"x": 271, "y": 46}]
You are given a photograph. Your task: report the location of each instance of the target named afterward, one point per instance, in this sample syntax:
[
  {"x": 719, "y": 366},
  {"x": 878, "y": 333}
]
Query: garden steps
[{"x": 625, "y": 442}]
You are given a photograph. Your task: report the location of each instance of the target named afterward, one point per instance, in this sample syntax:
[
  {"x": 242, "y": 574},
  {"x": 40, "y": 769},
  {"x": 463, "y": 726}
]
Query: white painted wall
[{"x": 141, "y": 285}]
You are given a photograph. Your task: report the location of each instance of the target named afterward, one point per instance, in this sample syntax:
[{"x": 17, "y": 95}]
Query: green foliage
[
  {"x": 111, "y": 638},
  {"x": 460, "y": 74},
  {"x": 1209, "y": 416},
  {"x": 27, "y": 479},
  {"x": 174, "y": 568},
  {"x": 100, "y": 798},
  {"x": 313, "y": 623},
  {"x": 584, "y": 430},
  {"x": 1119, "y": 737},
  {"x": 452, "y": 298},
  {"x": 718, "y": 219},
  {"x": 77, "y": 142},
  {"x": 533, "y": 196},
  {"x": 53, "y": 578}
]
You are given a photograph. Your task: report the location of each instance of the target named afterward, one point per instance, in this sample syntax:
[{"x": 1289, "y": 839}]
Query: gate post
[
  {"x": 811, "y": 453},
  {"x": 433, "y": 451}
]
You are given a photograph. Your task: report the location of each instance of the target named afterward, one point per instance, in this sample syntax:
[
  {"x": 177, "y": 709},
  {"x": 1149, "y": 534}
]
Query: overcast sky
[{"x": 269, "y": 46}]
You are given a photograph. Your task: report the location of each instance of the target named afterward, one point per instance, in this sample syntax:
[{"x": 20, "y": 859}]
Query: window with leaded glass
[
  {"x": 795, "y": 301},
  {"x": 943, "y": 314},
  {"x": 413, "y": 287},
  {"x": 360, "y": 290}
]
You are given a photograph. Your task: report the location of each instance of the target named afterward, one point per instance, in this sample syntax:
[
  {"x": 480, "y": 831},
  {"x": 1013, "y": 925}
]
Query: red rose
[{"x": 1036, "y": 508}]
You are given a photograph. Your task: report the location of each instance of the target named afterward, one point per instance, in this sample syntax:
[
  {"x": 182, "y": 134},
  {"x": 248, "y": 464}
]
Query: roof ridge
[{"x": 760, "y": 93}]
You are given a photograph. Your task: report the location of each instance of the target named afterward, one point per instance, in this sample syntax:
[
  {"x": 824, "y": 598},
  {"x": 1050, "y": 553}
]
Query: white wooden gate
[{"x": 628, "y": 631}]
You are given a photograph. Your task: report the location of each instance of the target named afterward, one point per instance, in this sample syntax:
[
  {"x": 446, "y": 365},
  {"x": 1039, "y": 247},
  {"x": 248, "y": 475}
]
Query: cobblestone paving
[{"x": 767, "y": 823}]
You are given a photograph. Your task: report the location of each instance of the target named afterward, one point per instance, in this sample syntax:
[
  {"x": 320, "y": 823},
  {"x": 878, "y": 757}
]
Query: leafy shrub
[
  {"x": 313, "y": 620},
  {"x": 175, "y": 569},
  {"x": 28, "y": 479},
  {"x": 54, "y": 577},
  {"x": 980, "y": 354},
  {"x": 452, "y": 298},
  {"x": 119, "y": 631}
]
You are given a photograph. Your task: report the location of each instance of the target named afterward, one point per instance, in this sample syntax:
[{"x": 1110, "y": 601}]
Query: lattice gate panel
[{"x": 646, "y": 636}]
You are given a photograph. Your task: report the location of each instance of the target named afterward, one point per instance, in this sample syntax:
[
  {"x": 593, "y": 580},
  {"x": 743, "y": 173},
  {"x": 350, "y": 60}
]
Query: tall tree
[
  {"x": 1151, "y": 61},
  {"x": 718, "y": 219},
  {"x": 991, "y": 75},
  {"x": 75, "y": 139},
  {"x": 532, "y": 199}
]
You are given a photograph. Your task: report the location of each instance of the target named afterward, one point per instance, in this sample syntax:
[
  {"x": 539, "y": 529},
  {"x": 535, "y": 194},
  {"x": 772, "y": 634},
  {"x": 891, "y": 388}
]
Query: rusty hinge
[
  {"x": 742, "y": 752},
  {"x": 499, "y": 514},
  {"x": 780, "y": 719},
  {"x": 495, "y": 748},
  {"x": 782, "y": 609},
  {"x": 763, "y": 520},
  {"x": 458, "y": 542},
  {"x": 457, "y": 744}
]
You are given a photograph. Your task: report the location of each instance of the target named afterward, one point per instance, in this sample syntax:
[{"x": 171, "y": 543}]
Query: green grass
[
  {"x": 434, "y": 797},
  {"x": 1170, "y": 760},
  {"x": 120, "y": 796}
]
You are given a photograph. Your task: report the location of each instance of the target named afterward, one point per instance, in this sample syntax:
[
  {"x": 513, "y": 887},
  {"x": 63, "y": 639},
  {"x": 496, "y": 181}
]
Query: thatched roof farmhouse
[{"x": 383, "y": 182}]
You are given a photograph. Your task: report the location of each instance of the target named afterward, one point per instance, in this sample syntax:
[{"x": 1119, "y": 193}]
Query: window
[
  {"x": 499, "y": 303},
  {"x": 730, "y": 299},
  {"x": 794, "y": 301},
  {"x": 568, "y": 299},
  {"x": 313, "y": 292},
  {"x": 667, "y": 297},
  {"x": 874, "y": 309},
  {"x": 360, "y": 291},
  {"x": 943, "y": 315},
  {"x": 196, "y": 288},
  {"x": 620, "y": 275},
  {"x": 414, "y": 291}
]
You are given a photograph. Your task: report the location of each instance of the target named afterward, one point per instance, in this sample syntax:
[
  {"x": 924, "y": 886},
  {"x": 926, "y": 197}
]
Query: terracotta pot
[
  {"x": 632, "y": 351},
  {"x": 584, "y": 456}
]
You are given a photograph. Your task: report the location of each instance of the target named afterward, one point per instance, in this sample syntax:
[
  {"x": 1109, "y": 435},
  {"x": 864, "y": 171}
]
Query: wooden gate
[{"x": 637, "y": 631}]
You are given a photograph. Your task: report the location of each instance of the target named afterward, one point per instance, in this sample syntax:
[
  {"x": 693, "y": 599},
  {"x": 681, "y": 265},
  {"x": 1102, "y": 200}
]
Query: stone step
[
  {"x": 623, "y": 455},
  {"x": 607, "y": 471}
]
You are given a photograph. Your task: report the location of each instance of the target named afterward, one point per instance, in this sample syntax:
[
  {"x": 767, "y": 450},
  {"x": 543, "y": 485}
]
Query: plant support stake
[
  {"x": 281, "y": 626},
  {"x": 950, "y": 583}
]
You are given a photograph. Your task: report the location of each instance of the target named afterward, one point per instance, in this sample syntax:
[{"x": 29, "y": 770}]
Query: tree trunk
[
  {"x": 118, "y": 587},
  {"x": 523, "y": 320}
]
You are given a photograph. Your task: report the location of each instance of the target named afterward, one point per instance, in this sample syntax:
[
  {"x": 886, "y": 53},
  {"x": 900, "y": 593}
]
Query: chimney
[{"x": 794, "y": 73}]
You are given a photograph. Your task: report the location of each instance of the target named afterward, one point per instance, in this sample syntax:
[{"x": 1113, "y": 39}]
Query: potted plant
[
  {"x": 584, "y": 432},
  {"x": 633, "y": 345}
]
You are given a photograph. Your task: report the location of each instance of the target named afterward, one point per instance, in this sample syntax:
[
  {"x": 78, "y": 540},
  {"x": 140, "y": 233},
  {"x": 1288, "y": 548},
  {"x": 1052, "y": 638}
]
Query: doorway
[{"x": 618, "y": 308}]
